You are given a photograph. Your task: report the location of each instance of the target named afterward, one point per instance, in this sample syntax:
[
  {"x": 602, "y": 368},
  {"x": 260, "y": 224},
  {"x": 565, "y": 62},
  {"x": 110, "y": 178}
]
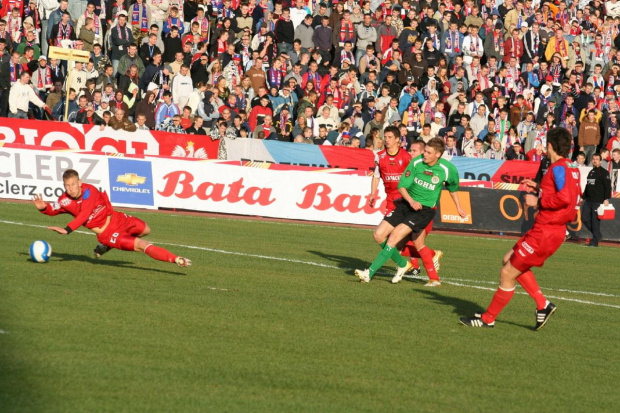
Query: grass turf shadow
[
  {"x": 58, "y": 256},
  {"x": 348, "y": 264},
  {"x": 463, "y": 308}
]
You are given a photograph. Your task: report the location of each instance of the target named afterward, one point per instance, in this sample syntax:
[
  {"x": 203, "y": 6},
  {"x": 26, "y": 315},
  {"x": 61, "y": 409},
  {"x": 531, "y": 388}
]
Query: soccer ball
[{"x": 40, "y": 251}]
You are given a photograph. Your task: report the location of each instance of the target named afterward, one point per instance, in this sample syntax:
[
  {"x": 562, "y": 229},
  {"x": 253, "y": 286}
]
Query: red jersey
[
  {"x": 91, "y": 209},
  {"x": 390, "y": 168},
  {"x": 560, "y": 193}
]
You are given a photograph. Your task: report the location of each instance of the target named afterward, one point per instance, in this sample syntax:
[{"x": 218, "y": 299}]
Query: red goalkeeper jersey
[
  {"x": 390, "y": 168},
  {"x": 560, "y": 193},
  {"x": 91, "y": 209}
]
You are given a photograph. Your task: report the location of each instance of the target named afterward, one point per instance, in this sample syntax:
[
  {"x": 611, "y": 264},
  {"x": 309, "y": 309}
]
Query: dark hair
[
  {"x": 560, "y": 140},
  {"x": 393, "y": 129}
]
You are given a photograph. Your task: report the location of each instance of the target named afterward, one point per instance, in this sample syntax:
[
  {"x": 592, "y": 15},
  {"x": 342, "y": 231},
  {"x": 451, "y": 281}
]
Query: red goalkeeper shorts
[
  {"x": 122, "y": 231},
  {"x": 538, "y": 244}
]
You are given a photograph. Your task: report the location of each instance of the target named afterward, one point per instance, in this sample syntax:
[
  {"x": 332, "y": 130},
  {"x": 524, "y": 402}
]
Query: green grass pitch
[{"x": 270, "y": 318}]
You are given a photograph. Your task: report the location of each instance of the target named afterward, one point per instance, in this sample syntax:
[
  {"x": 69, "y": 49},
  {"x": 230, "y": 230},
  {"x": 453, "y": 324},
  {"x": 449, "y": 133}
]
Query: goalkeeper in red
[
  {"x": 558, "y": 202},
  {"x": 420, "y": 187},
  {"x": 92, "y": 209}
]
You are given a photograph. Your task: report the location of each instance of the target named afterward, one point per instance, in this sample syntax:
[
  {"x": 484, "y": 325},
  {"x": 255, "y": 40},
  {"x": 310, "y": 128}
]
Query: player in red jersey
[
  {"x": 92, "y": 209},
  {"x": 390, "y": 165},
  {"x": 558, "y": 202}
]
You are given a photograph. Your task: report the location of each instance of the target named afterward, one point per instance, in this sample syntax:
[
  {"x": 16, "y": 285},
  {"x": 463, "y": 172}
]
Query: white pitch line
[
  {"x": 318, "y": 264},
  {"x": 4, "y": 332}
]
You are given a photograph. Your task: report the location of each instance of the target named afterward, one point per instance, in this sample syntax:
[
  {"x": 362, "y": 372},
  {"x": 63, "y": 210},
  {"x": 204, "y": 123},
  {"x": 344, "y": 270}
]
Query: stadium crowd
[{"x": 490, "y": 77}]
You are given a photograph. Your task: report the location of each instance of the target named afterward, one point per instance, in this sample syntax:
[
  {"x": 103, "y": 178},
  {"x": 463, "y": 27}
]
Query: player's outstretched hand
[
  {"x": 38, "y": 202},
  {"x": 58, "y": 230},
  {"x": 530, "y": 185},
  {"x": 462, "y": 212}
]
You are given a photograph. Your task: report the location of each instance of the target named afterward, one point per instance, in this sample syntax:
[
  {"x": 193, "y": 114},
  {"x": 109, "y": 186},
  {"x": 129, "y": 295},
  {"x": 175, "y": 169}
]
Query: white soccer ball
[{"x": 40, "y": 251}]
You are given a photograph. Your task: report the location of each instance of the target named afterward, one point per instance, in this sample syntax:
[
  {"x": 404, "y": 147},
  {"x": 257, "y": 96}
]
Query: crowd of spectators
[{"x": 491, "y": 77}]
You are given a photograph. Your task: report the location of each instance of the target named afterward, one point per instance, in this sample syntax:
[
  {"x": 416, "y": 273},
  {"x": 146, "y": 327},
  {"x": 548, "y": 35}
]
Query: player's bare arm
[
  {"x": 373, "y": 191},
  {"x": 455, "y": 198},
  {"x": 412, "y": 202}
]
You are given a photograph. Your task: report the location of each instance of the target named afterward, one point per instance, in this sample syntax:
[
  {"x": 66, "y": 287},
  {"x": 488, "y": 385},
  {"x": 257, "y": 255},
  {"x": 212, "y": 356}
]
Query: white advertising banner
[
  {"x": 207, "y": 186},
  {"x": 24, "y": 173}
]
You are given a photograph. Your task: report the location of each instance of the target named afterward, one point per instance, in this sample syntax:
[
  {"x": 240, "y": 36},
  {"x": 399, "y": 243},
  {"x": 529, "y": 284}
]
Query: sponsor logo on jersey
[
  {"x": 65, "y": 202},
  {"x": 424, "y": 184},
  {"x": 429, "y": 173},
  {"x": 388, "y": 178},
  {"x": 131, "y": 182},
  {"x": 408, "y": 174},
  {"x": 435, "y": 180}
]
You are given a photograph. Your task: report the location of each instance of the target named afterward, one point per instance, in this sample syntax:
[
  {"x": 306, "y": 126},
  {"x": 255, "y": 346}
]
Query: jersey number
[{"x": 113, "y": 238}]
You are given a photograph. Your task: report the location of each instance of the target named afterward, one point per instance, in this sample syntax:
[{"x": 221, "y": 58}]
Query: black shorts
[{"x": 404, "y": 214}]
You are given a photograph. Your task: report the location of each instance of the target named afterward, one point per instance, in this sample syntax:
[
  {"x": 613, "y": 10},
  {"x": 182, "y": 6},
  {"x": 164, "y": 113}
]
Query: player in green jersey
[{"x": 420, "y": 186}]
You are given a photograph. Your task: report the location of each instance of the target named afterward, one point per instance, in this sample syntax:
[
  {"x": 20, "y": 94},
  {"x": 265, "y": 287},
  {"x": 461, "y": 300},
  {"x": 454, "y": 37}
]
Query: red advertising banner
[{"x": 63, "y": 135}]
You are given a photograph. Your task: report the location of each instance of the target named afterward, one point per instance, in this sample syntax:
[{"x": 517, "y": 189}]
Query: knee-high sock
[
  {"x": 159, "y": 253},
  {"x": 410, "y": 251},
  {"x": 529, "y": 284},
  {"x": 500, "y": 300},
  {"x": 427, "y": 259},
  {"x": 383, "y": 257}
]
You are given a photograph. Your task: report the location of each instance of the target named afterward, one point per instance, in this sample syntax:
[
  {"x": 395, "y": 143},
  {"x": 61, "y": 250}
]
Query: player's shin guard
[
  {"x": 159, "y": 253},
  {"x": 500, "y": 300},
  {"x": 427, "y": 259},
  {"x": 529, "y": 284}
]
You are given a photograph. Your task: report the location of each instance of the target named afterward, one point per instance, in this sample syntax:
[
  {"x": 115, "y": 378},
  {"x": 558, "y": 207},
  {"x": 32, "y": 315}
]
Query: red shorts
[
  {"x": 122, "y": 231},
  {"x": 538, "y": 244}
]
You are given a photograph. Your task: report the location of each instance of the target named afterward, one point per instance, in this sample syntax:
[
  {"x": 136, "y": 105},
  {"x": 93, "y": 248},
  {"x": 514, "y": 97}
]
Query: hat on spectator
[
  {"x": 438, "y": 115},
  {"x": 285, "y": 107},
  {"x": 105, "y": 99},
  {"x": 122, "y": 13},
  {"x": 168, "y": 67},
  {"x": 152, "y": 86},
  {"x": 201, "y": 7},
  {"x": 43, "y": 57},
  {"x": 236, "y": 57},
  {"x": 498, "y": 26},
  {"x": 549, "y": 78},
  {"x": 552, "y": 100},
  {"x": 524, "y": 24},
  {"x": 29, "y": 21}
]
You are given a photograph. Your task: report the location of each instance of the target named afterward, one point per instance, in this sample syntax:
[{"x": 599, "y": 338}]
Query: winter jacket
[{"x": 589, "y": 134}]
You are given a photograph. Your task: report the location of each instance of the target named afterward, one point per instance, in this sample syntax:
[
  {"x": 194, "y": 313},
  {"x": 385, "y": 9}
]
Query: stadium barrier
[
  {"x": 214, "y": 186},
  {"x": 63, "y": 135}
]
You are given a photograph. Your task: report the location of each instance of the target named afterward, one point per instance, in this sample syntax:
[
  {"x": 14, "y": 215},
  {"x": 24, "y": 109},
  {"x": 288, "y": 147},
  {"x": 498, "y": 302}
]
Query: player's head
[
  {"x": 391, "y": 135},
  {"x": 72, "y": 183},
  {"x": 559, "y": 141},
  {"x": 433, "y": 151},
  {"x": 416, "y": 148}
]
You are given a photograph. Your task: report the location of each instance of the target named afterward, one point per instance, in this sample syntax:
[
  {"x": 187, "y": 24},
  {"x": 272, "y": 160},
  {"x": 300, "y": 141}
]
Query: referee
[{"x": 598, "y": 191}]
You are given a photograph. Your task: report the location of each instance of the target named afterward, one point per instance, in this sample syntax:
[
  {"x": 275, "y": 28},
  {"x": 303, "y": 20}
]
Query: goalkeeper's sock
[
  {"x": 500, "y": 300},
  {"x": 382, "y": 258},
  {"x": 159, "y": 253},
  {"x": 529, "y": 284},
  {"x": 410, "y": 251},
  {"x": 427, "y": 255}
]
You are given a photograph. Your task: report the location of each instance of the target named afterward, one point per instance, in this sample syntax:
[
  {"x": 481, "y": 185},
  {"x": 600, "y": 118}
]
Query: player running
[
  {"x": 560, "y": 194},
  {"x": 420, "y": 187},
  {"x": 92, "y": 209}
]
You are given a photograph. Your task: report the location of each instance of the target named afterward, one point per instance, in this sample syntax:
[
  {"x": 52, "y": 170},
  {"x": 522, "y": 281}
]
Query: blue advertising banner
[{"x": 131, "y": 182}]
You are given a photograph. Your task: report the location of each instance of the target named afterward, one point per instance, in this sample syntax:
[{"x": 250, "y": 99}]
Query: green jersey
[{"x": 424, "y": 183}]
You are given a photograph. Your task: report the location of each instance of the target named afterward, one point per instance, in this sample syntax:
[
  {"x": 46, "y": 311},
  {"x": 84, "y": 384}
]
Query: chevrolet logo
[{"x": 131, "y": 179}]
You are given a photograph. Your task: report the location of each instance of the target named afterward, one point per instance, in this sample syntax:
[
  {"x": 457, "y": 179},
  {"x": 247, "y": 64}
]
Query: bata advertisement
[
  {"x": 62, "y": 135},
  {"x": 211, "y": 186}
]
